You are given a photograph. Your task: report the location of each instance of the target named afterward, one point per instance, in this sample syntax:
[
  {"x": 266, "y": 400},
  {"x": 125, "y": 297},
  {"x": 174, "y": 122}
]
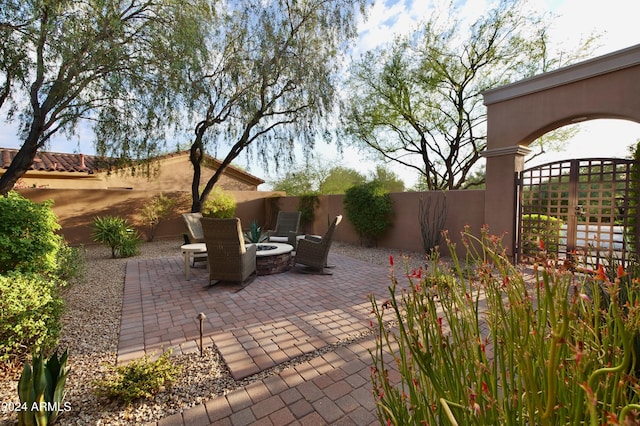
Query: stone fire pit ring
[{"x": 273, "y": 258}]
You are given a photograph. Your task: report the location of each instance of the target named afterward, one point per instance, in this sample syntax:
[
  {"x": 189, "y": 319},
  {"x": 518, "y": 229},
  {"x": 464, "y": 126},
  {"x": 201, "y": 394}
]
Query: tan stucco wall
[
  {"x": 521, "y": 120},
  {"x": 463, "y": 208},
  {"x": 76, "y": 209},
  {"x": 172, "y": 174},
  {"x": 33, "y": 179}
]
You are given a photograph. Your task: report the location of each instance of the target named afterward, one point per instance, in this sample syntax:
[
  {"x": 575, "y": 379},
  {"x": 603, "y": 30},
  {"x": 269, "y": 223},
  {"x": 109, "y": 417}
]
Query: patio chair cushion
[
  {"x": 194, "y": 228},
  {"x": 229, "y": 258}
]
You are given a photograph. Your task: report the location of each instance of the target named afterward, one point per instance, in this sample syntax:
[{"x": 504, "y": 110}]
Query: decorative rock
[{"x": 91, "y": 328}]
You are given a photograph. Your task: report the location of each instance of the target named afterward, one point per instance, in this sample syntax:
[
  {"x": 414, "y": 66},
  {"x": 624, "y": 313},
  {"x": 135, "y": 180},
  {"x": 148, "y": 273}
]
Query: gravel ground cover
[{"x": 91, "y": 326}]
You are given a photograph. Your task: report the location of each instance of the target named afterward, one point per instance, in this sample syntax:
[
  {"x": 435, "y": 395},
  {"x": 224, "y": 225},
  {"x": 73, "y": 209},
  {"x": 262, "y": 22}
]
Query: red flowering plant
[{"x": 498, "y": 345}]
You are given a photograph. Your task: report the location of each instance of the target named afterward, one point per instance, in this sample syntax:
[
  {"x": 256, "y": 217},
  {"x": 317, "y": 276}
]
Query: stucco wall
[
  {"x": 522, "y": 119},
  {"x": 463, "y": 208},
  {"x": 76, "y": 210},
  {"x": 173, "y": 174}
]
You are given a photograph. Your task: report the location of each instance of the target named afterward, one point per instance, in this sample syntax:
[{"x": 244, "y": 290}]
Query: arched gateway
[{"x": 517, "y": 114}]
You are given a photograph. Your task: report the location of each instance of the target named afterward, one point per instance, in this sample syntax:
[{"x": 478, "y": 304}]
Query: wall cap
[{"x": 509, "y": 150}]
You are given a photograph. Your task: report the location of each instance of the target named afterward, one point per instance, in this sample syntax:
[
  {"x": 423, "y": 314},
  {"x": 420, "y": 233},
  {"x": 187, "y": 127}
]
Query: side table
[{"x": 190, "y": 252}]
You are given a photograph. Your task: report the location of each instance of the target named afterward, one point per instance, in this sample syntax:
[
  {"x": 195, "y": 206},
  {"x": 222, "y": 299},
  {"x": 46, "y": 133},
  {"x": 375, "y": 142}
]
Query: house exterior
[{"x": 170, "y": 172}]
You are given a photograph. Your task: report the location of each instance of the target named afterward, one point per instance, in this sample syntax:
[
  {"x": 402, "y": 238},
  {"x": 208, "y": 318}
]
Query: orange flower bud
[{"x": 600, "y": 274}]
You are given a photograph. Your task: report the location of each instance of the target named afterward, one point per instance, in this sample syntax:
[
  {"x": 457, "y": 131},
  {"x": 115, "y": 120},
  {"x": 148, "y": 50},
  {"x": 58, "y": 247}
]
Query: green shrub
[
  {"x": 30, "y": 312},
  {"x": 220, "y": 204},
  {"x": 70, "y": 263},
  {"x": 129, "y": 245},
  {"x": 539, "y": 227},
  {"x": 116, "y": 233},
  {"x": 307, "y": 206},
  {"x": 28, "y": 239},
  {"x": 369, "y": 209},
  {"x": 156, "y": 210},
  {"x": 139, "y": 379},
  {"x": 494, "y": 348},
  {"x": 41, "y": 390},
  {"x": 631, "y": 231}
]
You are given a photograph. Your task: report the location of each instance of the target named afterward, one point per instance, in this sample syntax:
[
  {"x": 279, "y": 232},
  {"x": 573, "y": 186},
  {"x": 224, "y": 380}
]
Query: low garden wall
[
  {"x": 76, "y": 209},
  {"x": 462, "y": 208}
]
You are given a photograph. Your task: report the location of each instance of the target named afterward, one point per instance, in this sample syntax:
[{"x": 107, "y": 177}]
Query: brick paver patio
[{"x": 273, "y": 319}]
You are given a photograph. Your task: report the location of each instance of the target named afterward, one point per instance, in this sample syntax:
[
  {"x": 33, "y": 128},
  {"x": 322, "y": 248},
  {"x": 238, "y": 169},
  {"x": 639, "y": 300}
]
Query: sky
[{"x": 614, "y": 20}]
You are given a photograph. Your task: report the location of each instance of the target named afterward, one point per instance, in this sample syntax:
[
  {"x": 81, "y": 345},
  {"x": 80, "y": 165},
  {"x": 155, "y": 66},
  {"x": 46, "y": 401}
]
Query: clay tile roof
[
  {"x": 52, "y": 161},
  {"x": 61, "y": 162}
]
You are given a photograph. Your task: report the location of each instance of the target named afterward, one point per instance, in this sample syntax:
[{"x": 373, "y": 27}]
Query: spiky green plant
[
  {"x": 41, "y": 390},
  {"x": 116, "y": 233},
  {"x": 255, "y": 235}
]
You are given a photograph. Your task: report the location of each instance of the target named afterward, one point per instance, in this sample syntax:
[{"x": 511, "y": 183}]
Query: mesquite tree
[
  {"x": 271, "y": 79},
  {"x": 117, "y": 64},
  {"x": 418, "y": 102}
]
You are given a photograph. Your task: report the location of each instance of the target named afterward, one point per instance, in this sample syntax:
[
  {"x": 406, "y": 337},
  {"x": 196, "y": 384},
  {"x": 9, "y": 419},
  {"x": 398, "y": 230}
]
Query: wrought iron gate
[{"x": 583, "y": 209}]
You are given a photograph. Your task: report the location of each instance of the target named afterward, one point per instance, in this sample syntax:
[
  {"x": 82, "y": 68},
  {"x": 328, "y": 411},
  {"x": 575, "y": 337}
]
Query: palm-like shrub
[{"x": 116, "y": 233}]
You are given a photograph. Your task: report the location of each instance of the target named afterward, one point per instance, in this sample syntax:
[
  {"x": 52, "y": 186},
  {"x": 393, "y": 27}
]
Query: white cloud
[{"x": 386, "y": 21}]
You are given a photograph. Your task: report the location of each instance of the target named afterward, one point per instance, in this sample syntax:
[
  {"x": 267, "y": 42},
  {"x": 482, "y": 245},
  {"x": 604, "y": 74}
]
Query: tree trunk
[
  {"x": 19, "y": 166},
  {"x": 195, "y": 156}
]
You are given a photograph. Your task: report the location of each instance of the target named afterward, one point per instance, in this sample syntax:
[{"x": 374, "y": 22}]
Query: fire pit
[
  {"x": 273, "y": 258},
  {"x": 265, "y": 247}
]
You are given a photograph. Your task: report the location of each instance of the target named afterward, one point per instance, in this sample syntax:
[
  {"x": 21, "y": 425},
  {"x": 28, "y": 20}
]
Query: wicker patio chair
[
  {"x": 287, "y": 228},
  {"x": 229, "y": 258},
  {"x": 312, "y": 251},
  {"x": 194, "y": 228}
]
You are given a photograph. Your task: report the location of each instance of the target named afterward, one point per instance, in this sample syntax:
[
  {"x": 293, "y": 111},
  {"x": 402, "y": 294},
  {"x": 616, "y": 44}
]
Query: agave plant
[
  {"x": 255, "y": 234},
  {"x": 41, "y": 390}
]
